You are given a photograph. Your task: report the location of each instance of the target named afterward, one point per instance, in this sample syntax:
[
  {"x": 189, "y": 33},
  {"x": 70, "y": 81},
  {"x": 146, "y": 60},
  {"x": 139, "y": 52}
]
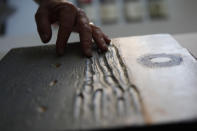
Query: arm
[{"x": 70, "y": 18}]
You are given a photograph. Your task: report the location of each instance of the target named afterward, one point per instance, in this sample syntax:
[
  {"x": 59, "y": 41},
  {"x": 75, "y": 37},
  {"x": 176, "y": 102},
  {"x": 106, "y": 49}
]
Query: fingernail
[
  {"x": 88, "y": 53},
  {"x": 109, "y": 41},
  {"x": 45, "y": 38},
  {"x": 105, "y": 48},
  {"x": 108, "y": 38}
]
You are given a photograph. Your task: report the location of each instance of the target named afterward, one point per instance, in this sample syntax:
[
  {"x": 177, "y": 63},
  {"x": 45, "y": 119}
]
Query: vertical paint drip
[
  {"x": 107, "y": 91},
  {"x": 97, "y": 104}
]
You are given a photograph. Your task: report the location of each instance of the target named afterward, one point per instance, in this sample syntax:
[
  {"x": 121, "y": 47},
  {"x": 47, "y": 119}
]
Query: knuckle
[
  {"x": 98, "y": 35},
  {"x": 96, "y": 29},
  {"x": 102, "y": 40},
  {"x": 84, "y": 25},
  {"x": 69, "y": 7},
  {"x": 87, "y": 28},
  {"x": 98, "y": 32},
  {"x": 86, "y": 44},
  {"x": 81, "y": 12},
  {"x": 83, "y": 21}
]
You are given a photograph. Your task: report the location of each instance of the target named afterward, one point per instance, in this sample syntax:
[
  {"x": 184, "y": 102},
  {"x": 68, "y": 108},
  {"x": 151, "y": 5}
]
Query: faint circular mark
[{"x": 160, "y": 60}]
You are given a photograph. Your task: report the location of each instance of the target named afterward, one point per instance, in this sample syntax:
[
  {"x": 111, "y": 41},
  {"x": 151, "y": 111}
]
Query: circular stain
[{"x": 160, "y": 60}]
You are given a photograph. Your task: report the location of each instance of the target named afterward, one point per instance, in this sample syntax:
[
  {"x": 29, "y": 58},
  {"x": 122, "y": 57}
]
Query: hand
[{"x": 69, "y": 18}]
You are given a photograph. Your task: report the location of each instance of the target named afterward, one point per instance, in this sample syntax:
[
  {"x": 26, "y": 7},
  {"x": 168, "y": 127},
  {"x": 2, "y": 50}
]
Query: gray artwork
[
  {"x": 140, "y": 81},
  {"x": 42, "y": 91}
]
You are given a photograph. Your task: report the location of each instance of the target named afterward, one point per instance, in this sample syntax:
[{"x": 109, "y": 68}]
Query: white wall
[
  {"x": 182, "y": 19},
  {"x": 22, "y": 21}
]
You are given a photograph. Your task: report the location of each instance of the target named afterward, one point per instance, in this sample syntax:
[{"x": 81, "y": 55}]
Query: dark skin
[{"x": 70, "y": 19}]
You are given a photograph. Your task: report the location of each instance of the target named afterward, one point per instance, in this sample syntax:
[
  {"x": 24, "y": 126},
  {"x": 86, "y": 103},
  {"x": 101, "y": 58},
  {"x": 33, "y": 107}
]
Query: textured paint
[
  {"x": 106, "y": 92},
  {"x": 45, "y": 92}
]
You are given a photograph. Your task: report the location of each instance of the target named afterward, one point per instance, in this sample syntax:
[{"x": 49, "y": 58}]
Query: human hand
[{"x": 70, "y": 18}]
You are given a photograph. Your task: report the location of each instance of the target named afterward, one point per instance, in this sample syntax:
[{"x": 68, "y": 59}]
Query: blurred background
[{"x": 117, "y": 18}]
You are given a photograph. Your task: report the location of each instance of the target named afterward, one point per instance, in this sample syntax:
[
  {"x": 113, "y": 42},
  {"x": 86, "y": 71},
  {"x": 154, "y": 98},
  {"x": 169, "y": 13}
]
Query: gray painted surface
[
  {"x": 40, "y": 91},
  {"x": 29, "y": 98}
]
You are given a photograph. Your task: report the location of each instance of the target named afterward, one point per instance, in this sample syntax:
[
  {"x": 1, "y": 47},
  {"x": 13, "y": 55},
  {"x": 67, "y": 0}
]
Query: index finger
[{"x": 67, "y": 20}]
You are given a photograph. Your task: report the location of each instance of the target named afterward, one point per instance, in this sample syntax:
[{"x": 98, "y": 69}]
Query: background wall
[
  {"x": 182, "y": 19},
  {"x": 22, "y": 21}
]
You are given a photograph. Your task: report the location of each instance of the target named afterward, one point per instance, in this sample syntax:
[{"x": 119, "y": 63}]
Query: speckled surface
[
  {"x": 40, "y": 91},
  {"x": 28, "y": 99}
]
